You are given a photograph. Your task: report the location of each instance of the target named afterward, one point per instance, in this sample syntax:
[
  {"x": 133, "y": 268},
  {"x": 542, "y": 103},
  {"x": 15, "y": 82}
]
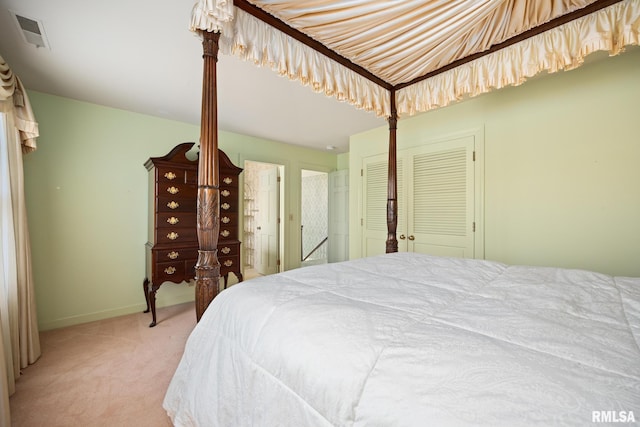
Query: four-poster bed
[
  {"x": 396, "y": 62},
  {"x": 395, "y": 59}
]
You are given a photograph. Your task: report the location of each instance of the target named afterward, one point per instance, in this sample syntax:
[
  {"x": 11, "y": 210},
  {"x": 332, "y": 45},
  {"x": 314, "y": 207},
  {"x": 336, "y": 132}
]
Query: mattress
[{"x": 406, "y": 339}]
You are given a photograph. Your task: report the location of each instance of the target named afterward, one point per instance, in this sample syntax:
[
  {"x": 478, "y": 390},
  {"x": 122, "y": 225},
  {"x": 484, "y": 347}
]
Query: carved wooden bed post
[
  {"x": 208, "y": 208},
  {"x": 392, "y": 180}
]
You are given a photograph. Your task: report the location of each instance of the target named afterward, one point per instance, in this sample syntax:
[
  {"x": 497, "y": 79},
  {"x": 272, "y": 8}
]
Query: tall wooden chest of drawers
[{"x": 172, "y": 246}]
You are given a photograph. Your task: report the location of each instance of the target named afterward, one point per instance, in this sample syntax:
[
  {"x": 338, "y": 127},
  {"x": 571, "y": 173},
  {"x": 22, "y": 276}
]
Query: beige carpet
[{"x": 111, "y": 372}]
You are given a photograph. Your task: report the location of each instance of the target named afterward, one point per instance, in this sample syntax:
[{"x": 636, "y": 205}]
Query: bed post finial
[
  {"x": 392, "y": 180},
  {"x": 208, "y": 199}
]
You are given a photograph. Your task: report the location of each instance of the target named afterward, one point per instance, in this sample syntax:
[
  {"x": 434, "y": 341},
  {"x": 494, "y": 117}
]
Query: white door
[
  {"x": 436, "y": 199},
  {"x": 267, "y": 222},
  {"x": 339, "y": 216},
  {"x": 440, "y": 208},
  {"x": 374, "y": 222}
]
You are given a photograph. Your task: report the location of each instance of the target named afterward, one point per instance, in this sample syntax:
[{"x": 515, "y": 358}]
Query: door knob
[
  {"x": 402, "y": 237},
  {"x": 259, "y": 228},
  {"x": 411, "y": 237}
]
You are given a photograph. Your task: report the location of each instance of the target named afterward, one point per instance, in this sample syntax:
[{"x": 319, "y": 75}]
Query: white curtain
[{"x": 19, "y": 340}]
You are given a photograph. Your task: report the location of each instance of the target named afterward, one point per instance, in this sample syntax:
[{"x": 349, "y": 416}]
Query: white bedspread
[{"x": 413, "y": 340}]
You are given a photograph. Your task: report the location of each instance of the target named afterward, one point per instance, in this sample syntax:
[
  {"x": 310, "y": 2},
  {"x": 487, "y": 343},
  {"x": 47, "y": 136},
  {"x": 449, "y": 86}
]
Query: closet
[{"x": 438, "y": 199}]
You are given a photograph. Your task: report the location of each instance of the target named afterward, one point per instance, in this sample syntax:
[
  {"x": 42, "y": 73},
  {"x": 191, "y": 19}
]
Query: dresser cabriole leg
[
  {"x": 145, "y": 289},
  {"x": 152, "y": 300}
]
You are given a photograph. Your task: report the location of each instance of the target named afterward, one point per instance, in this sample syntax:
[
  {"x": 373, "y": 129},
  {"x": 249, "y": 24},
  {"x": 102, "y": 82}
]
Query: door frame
[
  {"x": 282, "y": 202},
  {"x": 357, "y": 198},
  {"x": 302, "y": 215},
  {"x": 271, "y": 206}
]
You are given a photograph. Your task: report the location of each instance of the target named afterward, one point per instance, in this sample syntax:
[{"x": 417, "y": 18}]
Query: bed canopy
[{"x": 394, "y": 58}]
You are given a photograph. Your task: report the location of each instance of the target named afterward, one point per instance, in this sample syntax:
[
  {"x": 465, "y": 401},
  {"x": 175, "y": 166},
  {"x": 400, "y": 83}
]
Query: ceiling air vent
[{"x": 32, "y": 31}]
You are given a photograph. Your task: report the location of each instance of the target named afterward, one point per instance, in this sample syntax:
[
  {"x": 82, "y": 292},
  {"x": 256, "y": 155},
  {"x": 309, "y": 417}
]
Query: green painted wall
[
  {"x": 562, "y": 181},
  {"x": 343, "y": 161},
  {"x": 86, "y": 191}
]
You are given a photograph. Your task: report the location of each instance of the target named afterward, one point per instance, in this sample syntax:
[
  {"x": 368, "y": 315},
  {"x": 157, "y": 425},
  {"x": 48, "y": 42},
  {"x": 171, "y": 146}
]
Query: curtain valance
[
  {"x": 253, "y": 40},
  {"x": 562, "y": 48},
  {"x": 12, "y": 90}
]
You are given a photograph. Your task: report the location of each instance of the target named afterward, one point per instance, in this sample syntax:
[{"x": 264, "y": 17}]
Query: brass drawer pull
[
  {"x": 173, "y": 190},
  {"x": 225, "y": 193},
  {"x": 170, "y": 176},
  {"x": 173, "y": 220},
  {"x": 170, "y": 270},
  {"x": 225, "y": 233},
  {"x": 173, "y": 205},
  {"x": 228, "y": 263},
  {"x": 226, "y": 219},
  {"x": 225, "y": 250},
  {"x": 172, "y": 236},
  {"x": 173, "y": 254},
  {"x": 225, "y": 206},
  {"x": 227, "y": 180}
]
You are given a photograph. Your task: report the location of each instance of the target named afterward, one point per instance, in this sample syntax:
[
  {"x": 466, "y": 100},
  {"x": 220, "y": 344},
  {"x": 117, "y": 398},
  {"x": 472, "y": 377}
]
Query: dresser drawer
[
  {"x": 176, "y": 272},
  {"x": 177, "y": 190},
  {"x": 176, "y": 254},
  {"x": 229, "y": 264},
  {"x": 171, "y": 175},
  {"x": 228, "y": 218},
  {"x": 228, "y": 206},
  {"x": 228, "y": 248},
  {"x": 176, "y": 235},
  {"x": 228, "y": 194},
  {"x": 175, "y": 219},
  {"x": 228, "y": 232},
  {"x": 186, "y": 219},
  {"x": 191, "y": 177},
  {"x": 176, "y": 204},
  {"x": 228, "y": 180}
]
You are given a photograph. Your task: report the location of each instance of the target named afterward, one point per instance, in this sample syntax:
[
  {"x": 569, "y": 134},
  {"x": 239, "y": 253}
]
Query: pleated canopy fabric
[{"x": 401, "y": 41}]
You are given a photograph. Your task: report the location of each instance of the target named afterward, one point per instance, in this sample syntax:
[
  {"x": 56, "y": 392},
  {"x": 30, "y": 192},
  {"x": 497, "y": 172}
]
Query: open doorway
[
  {"x": 262, "y": 212},
  {"x": 314, "y": 229}
]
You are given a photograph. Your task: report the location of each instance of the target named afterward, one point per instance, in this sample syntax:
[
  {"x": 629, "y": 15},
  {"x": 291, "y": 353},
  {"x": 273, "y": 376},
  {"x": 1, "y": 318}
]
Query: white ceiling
[{"x": 138, "y": 55}]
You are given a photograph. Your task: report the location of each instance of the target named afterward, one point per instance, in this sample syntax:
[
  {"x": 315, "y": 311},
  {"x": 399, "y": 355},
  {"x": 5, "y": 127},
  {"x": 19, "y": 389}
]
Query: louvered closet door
[
  {"x": 374, "y": 220},
  {"x": 441, "y": 205},
  {"x": 436, "y": 201}
]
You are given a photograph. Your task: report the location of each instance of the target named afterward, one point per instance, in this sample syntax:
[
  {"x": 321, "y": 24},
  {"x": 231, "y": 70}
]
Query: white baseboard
[{"x": 107, "y": 314}]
